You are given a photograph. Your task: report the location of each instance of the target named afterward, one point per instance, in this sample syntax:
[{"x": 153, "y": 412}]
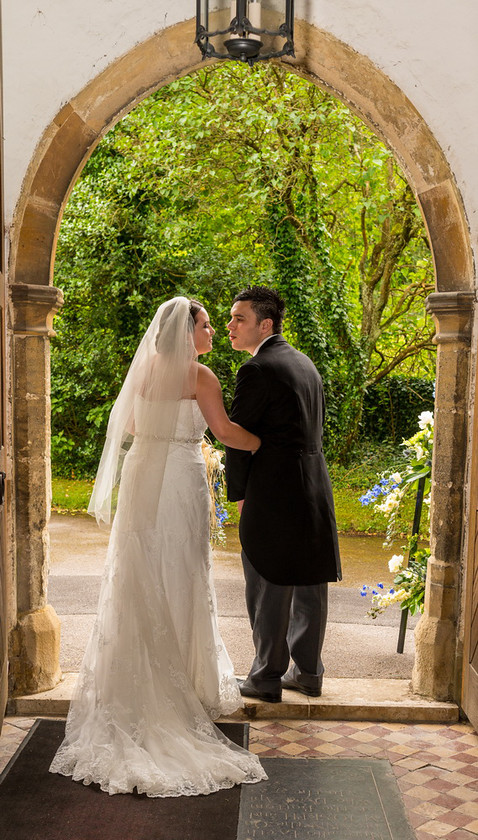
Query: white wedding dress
[{"x": 155, "y": 670}]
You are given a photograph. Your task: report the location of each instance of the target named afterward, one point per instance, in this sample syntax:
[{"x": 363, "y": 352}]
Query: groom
[{"x": 287, "y": 527}]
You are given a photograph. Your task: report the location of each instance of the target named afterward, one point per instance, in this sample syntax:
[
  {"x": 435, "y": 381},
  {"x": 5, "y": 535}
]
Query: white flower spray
[{"x": 387, "y": 496}]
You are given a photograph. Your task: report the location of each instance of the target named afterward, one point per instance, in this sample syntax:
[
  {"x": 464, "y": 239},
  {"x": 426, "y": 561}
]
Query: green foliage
[
  {"x": 352, "y": 518},
  {"x": 368, "y": 460},
  {"x": 72, "y": 496},
  {"x": 391, "y": 407},
  {"x": 226, "y": 177},
  {"x": 349, "y": 481}
]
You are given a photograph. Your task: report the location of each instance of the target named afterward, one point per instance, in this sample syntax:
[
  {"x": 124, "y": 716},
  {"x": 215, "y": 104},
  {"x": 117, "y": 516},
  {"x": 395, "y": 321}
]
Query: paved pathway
[{"x": 355, "y": 645}]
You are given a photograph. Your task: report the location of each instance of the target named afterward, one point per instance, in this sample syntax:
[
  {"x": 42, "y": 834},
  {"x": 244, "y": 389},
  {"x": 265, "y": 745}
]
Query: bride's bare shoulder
[{"x": 205, "y": 376}]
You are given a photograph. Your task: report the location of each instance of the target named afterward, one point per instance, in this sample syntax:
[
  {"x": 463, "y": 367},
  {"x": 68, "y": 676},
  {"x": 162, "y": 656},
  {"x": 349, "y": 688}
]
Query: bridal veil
[{"x": 161, "y": 374}]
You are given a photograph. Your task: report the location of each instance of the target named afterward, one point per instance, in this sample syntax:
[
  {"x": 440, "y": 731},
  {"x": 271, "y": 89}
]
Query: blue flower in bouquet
[
  {"x": 383, "y": 488},
  {"x": 387, "y": 496},
  {"x": 215, "y": 476},
  {"x": 221, "y": 513}
]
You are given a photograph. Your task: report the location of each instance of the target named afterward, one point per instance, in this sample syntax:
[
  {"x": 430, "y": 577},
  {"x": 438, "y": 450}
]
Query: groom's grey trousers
[{"x": 287, "y": 622}]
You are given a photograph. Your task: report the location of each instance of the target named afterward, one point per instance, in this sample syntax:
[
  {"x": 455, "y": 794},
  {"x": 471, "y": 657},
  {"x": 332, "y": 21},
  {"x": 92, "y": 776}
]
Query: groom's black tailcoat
[{"x": 287, "y": 527}]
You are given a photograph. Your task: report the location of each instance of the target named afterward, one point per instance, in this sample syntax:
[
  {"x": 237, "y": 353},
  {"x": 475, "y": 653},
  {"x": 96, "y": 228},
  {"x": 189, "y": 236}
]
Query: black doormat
[
  {"x": 304, "y": 799},
  {"x": 38, "y": 805}
]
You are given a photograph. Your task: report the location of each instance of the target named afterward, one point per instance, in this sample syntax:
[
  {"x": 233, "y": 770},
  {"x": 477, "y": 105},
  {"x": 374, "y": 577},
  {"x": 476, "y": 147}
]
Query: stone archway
[{"x": 62, "y": 152}]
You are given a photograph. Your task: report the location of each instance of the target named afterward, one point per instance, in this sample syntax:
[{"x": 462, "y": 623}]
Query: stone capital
[
  {"x": 453, "y": 314},
  {"x": 33, "y": 308}
]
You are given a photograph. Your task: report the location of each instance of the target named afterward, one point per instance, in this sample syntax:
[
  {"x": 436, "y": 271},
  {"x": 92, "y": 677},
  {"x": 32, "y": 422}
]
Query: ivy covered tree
[{"x": 229, "y": 176}]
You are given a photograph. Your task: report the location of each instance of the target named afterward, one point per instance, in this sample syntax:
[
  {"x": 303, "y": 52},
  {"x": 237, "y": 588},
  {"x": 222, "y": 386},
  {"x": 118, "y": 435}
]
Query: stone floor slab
[{"x": 353, "y": 798}]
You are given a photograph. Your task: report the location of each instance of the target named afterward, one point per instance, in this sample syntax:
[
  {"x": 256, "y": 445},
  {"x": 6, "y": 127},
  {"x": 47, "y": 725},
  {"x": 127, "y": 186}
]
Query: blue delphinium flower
[
  {"x": 383, "y": 488},
  {"x": 367, "y": 498},
  {"x": 221, "y": 513}
]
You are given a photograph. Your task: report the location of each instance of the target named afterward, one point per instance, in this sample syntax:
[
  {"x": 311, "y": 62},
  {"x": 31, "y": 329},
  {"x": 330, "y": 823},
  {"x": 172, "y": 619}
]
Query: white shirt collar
[{"x": 262, "y": 342}]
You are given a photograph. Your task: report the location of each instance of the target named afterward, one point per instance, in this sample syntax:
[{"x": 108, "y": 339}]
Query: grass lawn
[{"x": 72, "y": 496}]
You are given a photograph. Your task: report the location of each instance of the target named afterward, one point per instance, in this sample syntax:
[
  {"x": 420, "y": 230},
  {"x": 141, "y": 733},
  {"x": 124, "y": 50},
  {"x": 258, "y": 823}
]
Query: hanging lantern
[{"x": 245, "y": 30}]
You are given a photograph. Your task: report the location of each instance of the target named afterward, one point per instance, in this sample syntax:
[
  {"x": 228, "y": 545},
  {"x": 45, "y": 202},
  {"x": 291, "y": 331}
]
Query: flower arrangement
[
  {"x": 387, "y": 495},
  {"x": 215, "y": 480}
]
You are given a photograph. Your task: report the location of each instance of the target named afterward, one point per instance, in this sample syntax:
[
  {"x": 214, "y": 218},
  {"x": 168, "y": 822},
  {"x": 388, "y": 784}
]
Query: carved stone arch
[
  {"x": 63, "y": 149},
  {"x": 335, "y": 66}
]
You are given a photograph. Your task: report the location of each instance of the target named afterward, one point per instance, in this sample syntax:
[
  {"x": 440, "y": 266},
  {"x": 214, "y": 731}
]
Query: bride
[{"x": 155, "y": 671}]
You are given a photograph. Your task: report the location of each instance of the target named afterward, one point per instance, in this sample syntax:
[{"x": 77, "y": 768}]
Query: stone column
[
  {"x": 438, "y": 647},
  {"x": 35, "y": 638}
]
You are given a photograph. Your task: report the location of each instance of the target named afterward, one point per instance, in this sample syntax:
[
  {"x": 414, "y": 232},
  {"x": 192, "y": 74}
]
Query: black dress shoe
[
  {"x": 293, "y": 685},
  {"x": 250, "y": 691}
]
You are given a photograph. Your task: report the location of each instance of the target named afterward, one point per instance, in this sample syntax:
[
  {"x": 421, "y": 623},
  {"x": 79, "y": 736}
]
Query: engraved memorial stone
[{"x": 329, "y": 799}]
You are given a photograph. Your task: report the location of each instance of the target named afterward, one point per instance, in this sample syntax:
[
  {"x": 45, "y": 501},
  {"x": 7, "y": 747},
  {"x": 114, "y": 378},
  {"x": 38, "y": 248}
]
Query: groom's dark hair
[{"x": 266, "y": 303}]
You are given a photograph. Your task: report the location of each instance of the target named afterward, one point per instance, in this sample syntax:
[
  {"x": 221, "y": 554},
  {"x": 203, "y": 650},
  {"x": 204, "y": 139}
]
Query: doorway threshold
[{"x": 386, "y": 700}]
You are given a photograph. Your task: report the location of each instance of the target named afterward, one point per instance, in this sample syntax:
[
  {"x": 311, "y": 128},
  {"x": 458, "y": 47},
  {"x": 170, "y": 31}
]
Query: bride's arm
[{"x": 209, "y": 397}]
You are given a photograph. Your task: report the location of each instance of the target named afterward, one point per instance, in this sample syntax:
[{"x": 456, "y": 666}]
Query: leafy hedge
[{"x": 392, "y": 406}]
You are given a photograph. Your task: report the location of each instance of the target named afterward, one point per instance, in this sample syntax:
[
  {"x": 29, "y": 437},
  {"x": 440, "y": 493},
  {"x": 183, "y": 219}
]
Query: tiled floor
[{"x": 436, "y": 765}]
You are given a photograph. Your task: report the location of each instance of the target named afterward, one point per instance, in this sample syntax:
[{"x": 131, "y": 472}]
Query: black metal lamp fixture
[{"x": 255, "y": 30}]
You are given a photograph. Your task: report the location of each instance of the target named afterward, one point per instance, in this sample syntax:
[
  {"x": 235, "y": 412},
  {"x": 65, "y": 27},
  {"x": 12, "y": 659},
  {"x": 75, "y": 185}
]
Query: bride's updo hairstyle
[
  {"x": 194, "y": 308},
  {"x": 166, "y": 335}
]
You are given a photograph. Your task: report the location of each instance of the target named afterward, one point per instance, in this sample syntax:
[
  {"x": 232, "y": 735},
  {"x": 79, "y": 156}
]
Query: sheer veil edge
[{"x": 163, "y": 372}]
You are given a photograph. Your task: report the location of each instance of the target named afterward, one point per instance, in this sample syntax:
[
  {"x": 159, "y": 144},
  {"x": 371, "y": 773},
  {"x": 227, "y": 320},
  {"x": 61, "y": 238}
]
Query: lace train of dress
[{"x": 155, "y": 670}]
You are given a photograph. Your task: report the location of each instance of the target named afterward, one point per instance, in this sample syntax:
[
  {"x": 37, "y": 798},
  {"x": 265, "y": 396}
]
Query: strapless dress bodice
[
  {"x": 191, "y": 424},
  {"x": 189, "y": 427}
]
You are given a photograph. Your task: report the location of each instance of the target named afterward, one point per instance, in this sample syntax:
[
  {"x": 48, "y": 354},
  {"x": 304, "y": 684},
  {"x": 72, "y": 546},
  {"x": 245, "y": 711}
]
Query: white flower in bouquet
[
  {"x": 419, "y": 452},
  {"x": 392, "y": 597},
  {"x": 425, "y": 419},
  {"x": 395, "y": 563},
  {"x": 215, "y": 480},
  {"x": 390, "y": 503},
  {"x": 216, "y": 459}
]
